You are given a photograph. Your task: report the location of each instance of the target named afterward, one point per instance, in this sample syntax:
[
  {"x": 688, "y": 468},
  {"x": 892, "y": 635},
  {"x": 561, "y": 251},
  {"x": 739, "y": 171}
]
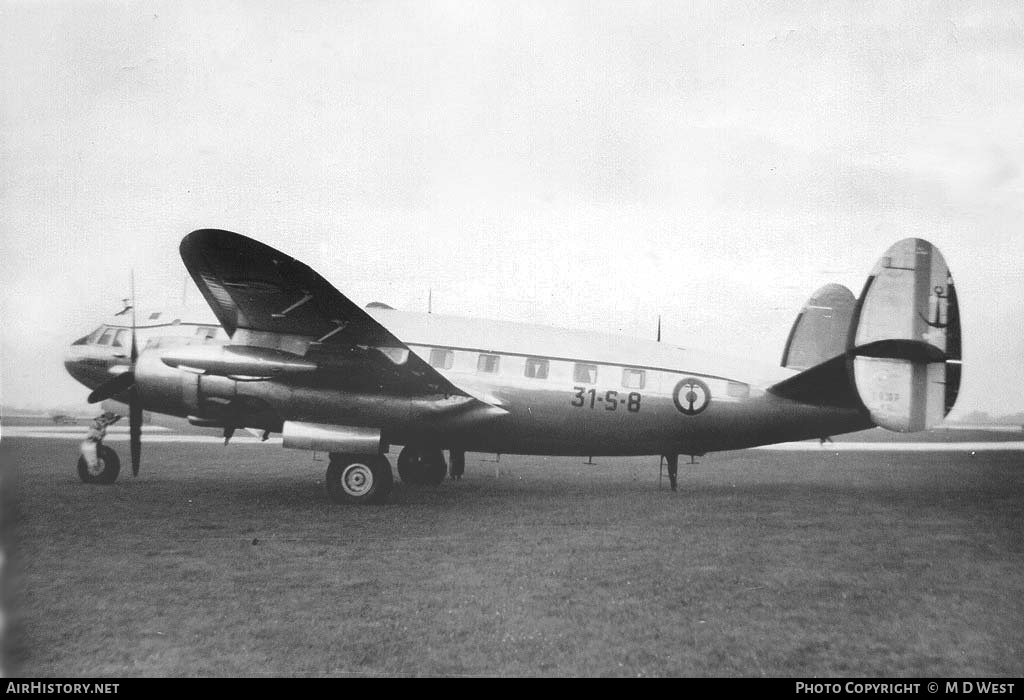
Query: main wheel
[
  {"x": 108, "y": 466},
  {"x": 421, "y": 465},
  {"x": 359, "y": 479}
]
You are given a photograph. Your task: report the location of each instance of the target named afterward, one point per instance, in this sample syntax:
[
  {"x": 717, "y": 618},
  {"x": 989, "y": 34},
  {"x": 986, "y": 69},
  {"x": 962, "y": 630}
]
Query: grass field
[{"x": 231, "y": 562}]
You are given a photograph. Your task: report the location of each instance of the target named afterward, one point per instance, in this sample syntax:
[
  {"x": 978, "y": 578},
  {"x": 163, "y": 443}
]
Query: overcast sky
[{"x": 581, "y": 164}]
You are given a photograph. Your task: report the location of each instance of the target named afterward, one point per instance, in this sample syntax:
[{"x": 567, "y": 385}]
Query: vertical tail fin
[
  {"x": 821, "y": 330},
  {"x": 894, "y": 353},
  {"x": 904, "y": 351}
]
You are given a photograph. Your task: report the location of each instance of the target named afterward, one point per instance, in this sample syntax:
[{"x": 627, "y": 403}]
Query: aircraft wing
[{"x": 260, "y": 294}]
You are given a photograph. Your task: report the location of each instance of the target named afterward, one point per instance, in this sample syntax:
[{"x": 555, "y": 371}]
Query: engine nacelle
[
  {"x": 238, "y": 361},
  {"x": 165, "y": 389}
]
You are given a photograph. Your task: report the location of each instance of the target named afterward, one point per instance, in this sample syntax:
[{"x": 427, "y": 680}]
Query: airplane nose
[
  {"x": 75, "y": 363},
  {"x": 86, "y": 365}
]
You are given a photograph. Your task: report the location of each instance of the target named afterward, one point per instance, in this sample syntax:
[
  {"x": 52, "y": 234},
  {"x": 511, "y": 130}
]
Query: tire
[
  {"x": 358, "y": 479},
  {"x": 108, "y": 466},
  {"x": 421, "y": 465}
]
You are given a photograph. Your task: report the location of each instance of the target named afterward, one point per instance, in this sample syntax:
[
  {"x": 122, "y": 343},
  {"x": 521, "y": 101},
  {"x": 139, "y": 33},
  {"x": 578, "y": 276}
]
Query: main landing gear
[
  {"x": 673, "y": 469},
  {"x": 421, "y": 465},
  {"x": 367, "y": 479},
  {"x": 359, "y": 479}
]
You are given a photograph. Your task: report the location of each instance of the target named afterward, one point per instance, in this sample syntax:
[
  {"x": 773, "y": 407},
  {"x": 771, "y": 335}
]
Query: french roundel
[{"x": 691, "y": 396}]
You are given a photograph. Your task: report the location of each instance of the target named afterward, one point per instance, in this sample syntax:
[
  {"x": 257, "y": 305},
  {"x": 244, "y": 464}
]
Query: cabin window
[
  {"x": 107, "y": 337},
  {"x": 154, "y": 316},
  {"x": 633, "y": 378},
  {"x": 206, "y": 333},
  {"x": 441, "y": 358},
  {"x": 585, "y": 374},
  {"x": 121, "y": 339},
  {"x": 488, "y": 363},
  {"x": 536, "y": 368}
]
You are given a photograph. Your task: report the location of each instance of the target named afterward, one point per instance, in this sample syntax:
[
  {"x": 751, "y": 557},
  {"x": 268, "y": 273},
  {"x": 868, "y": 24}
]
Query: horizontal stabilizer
[{"x": 827, "y": 384}]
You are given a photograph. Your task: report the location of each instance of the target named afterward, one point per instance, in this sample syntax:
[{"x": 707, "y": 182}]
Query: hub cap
[{"x": 357, "y": 479}]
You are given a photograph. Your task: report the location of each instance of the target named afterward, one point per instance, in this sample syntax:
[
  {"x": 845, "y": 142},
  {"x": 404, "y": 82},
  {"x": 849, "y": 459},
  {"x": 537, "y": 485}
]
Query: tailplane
[{"x": 902, "y": 359}]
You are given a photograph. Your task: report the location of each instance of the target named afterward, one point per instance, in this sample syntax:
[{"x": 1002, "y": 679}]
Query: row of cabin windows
[{"x": 536, "y": 368}]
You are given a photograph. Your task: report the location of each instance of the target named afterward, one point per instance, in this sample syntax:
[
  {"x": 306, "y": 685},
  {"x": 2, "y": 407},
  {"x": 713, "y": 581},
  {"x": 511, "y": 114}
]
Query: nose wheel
[
  {"x": 358, "y": 479},
  {"x": 101, "y": 468}
]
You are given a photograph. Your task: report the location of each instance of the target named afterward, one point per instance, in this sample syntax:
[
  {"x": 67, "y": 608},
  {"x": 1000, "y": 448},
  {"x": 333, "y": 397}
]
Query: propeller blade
[
  {"x": 135, "y": 428},
  {"x": 113, "y": 387},
  {"x": 134, "y": 402},
  {"x": 135, "y": 346}
]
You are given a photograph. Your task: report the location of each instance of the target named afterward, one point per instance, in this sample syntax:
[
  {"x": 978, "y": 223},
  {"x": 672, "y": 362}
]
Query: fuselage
[{"x": 534, "y": 389}]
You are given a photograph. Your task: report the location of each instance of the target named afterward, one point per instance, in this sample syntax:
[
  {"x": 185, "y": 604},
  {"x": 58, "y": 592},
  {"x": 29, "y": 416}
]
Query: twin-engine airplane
[{"x": 293, "y": 355}]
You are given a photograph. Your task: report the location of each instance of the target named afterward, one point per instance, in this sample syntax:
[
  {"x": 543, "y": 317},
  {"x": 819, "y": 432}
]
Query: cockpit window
[
  {"x": 107, "y": 337},
  {"x": 121, "y": 339}
]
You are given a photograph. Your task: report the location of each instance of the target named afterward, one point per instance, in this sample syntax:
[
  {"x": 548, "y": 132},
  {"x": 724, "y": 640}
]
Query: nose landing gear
[{"x": 98, "y": 464}]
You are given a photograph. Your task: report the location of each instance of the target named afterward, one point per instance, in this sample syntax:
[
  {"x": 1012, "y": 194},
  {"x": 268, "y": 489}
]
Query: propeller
[
  {"x": 134, "y": 401},
  {"x": 113, "y": 387},
  {"x": 123, "y": 381}
]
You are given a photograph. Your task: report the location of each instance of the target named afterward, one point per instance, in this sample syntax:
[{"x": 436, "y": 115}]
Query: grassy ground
[{"x": 231, "y": 562}]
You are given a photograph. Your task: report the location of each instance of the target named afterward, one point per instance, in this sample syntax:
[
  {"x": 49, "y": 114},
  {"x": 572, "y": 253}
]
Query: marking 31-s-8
[{"x": 611, "y": 400}]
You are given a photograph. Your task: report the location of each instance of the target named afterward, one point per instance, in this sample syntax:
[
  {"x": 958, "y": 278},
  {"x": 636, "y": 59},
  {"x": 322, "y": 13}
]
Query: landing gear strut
[
  {"x": 421, "y": 465},
  {"x": 673, "y": 469},
  {"x": 457, "y": 462},
  {"x": 358, "y": 479}
]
